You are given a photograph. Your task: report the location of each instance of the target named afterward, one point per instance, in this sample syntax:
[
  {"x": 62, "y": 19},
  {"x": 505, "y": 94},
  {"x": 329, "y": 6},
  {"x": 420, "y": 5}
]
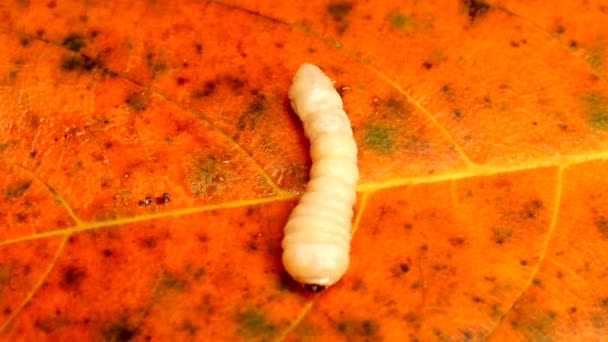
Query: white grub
[{"x": 317, "y": 237}]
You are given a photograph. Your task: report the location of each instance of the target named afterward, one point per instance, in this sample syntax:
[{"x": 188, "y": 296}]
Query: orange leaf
[{"x": 151, "y": 159}]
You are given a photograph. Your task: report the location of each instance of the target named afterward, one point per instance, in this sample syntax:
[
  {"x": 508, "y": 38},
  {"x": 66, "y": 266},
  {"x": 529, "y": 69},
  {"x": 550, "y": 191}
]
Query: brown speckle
[
  {"x": 72, "y": 277},
  {"x": 475, "y": 9}
]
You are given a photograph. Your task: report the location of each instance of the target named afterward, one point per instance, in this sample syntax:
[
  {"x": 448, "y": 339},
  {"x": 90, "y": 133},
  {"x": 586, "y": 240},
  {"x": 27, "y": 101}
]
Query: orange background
[{"x": 483, "y": 138}]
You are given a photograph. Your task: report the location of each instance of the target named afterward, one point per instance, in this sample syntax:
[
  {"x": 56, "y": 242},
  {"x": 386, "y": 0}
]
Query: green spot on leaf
[
  {"x": 597, "y": 111},
  {"x": 137, "y": 101},
  {"x": 596, "y": 54},
  {"x": 399, "y": 20},
  {"x": 379, "y": 138},
  {"x": 253, "y": 324}
]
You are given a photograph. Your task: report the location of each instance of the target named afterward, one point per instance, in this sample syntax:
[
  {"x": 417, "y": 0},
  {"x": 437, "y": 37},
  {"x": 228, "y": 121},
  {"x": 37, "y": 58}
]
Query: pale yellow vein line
[
  {"x": 275, "y": 188},
  {"x": 485, "y": 170},
  {"x": 564, "y": 45},
  {"x": 381, "y": 75},
  {"x": 146, "y": 217},
  {"x": 360, "y": 211},
  {"x": 331, "y": 43},
  {"x": 420, "y": 107},
  {"x": 56, "y": 195},
  {"x": 37, "y": 286},
  {"x": 294, "y": 324},
  {"x": 233, "y": 142},
  {"x": 543, "y": 251}
]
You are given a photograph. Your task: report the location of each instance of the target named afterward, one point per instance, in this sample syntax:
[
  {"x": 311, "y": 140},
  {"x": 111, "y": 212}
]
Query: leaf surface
[{"x": 151, "y": 159}]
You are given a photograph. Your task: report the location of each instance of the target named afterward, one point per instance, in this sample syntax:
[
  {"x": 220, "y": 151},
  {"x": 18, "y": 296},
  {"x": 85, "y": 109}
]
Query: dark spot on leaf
[
  {"x": 208, "y": 89},
  {"x": 467, "y": 335},
  {"x": 118, "y": 332},
  {"x": 156, "y": 64},
  {"x": 252, "y": 246},
  {"x": 477, "y": 299},
  {"x": 531, "y": 209},
  {"x": 137, "y": 101},
  {"x": 456, "y": 241},
  {"x": 475, "y": 8},
  {"x": 427, "y": 65},
  {"x": 25, "y": 41},
  {"x": 72, "y": 277},
  {"x": 601, "y": 223},
  {"x": 78, "y": 63},
  {"x": 170, "y": 281},
  {"x": 195, "y": 272},
  {"x": 339, "y": 10},
  {"x": 74, "y": 42},
  {"x": 235, "y": 84},
  {"x": 51, "y": 323},
  {"x": 253, "y": 324},
  {"x": 256, "y": 107},
  {"x": 107, "y": 252},
  {"x": 198, "y": 47},
  {"x": 149, "y": 242},
  {"x": 17, "y": 189},
  {"x": 182, "y": 81},
  {"x": 523, "y": 263},
  {"x": 404, "y": 268},
  {"x": 393, "y": 106},
  {"x": 358, "y": 329},
  {"x": 502, "y": 234},
  {"x": 188, "y": 327},
  {"x": 440, "y": 267}
]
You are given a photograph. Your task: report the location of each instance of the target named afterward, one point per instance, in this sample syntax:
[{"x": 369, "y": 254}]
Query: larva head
[
  {"x": 312, "y": 91},
  {"x": 315, "y": 263}
]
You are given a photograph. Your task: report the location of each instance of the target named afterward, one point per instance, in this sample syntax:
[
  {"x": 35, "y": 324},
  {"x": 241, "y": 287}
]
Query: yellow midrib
[{"x": 562, "y": 161}]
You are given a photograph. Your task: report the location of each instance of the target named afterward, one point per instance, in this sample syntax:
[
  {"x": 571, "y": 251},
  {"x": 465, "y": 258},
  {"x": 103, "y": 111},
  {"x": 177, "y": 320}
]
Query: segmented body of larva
[{"x": 317, "y": 237}]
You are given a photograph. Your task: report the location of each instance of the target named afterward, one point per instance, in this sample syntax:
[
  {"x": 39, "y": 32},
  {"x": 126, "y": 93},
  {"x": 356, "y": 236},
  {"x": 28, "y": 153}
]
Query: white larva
[{"x": 316, "y": 245}]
